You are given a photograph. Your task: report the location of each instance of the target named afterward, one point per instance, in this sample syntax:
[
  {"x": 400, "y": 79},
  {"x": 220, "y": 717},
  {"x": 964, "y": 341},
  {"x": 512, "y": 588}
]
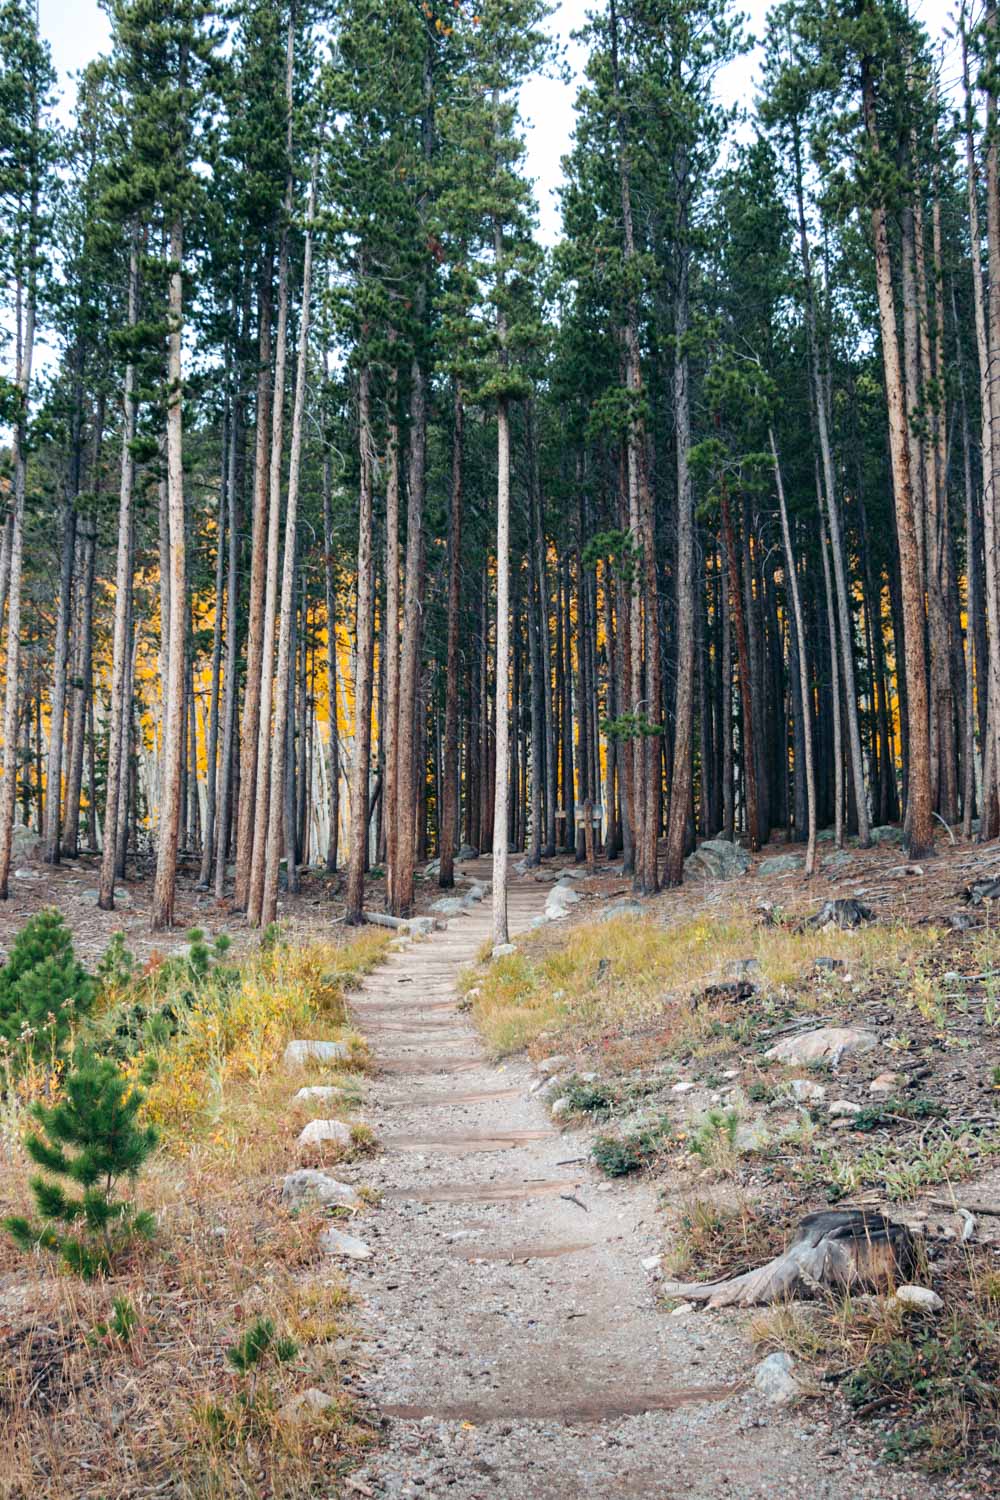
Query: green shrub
[
  {"x": 90, "y": 1138},
  {"x": 42, "y": 986},
  {"x": 617, "y": 1155}
]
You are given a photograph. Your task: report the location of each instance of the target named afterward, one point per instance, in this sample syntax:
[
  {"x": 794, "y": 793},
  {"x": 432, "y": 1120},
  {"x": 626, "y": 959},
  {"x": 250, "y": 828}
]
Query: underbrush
[
  {"x": 628, "y": 974},
  {"x": 712, "y": 1240},
  {"x": 931, "y": 1379},
  {"x": 134, "y": 1370}
]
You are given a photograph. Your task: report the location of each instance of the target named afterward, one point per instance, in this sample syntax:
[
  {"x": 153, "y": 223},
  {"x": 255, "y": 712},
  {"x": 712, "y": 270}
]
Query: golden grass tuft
[{"x": 597, "y": 980}]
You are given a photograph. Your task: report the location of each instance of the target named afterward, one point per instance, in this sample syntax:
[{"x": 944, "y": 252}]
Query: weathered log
[{"x": 833, "y": 1250}]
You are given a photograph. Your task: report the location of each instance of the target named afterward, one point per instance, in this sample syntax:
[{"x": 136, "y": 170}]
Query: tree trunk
[
  {"x": 920, "y": 827},
  {"x": 162, "y": 914},
  {"x": 269, "y": 908},
  {"x": 363, "y": 636},
  {"x": 450, "y": 790}
]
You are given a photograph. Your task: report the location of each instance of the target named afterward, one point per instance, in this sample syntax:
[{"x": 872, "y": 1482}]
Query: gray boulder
[
  {"x": 627, "y": 908},
  {"x": 780, "y": 864},
  {"x": 717, "y": 859},
  {"x": 319, "y": 1131},
  {"x": 309, "y": 1186},
  {"x": 825, "y": 1044}
]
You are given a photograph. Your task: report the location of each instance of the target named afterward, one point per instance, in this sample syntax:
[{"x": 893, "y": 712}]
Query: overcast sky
[{"x": 77, "y": 30}]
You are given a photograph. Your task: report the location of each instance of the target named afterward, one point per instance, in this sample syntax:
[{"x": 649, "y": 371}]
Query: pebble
[
  {"x": 920, "y": 1297},
  {"x": 336, "y": 1242}
]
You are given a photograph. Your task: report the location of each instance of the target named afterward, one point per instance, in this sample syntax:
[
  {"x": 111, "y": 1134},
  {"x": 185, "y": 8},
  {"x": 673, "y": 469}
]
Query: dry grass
[
  {"x": 623, "y": 975},
  {"x": 86, "y": 1412},
  {"x": 714, "y": 1239},
  {"x": 930, "y": 1378}
]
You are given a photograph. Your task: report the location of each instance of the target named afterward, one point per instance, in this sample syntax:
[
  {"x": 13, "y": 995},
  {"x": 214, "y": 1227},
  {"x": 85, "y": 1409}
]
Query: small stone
[
  {"x": 318, "y": 1093},
  {"x": 681, "y": 1309},
  {"x": 844, "y": 1109},
  {"x": 420, "y": 926},
  {"x": 829, "y": 964},
  {"x": 301, "y": 1187},
  {"x": 885, "y": 1083},
  {"x": 307, "y": 1404},
  {"x": 336, "y": 1242},
  {"x": 560, "y": 1109},
  {"x": 298, "y": 1053},
  {"x": 504, "y": 950},
  {"x": 449, "y": 906},
  {"x": 627, "y": 908},
  {"x": 652, "y": 1262},
  {"x": 805, "y": 1091},
  {"x": 684, "y": 1087},
  {"x": 774, "y": 1377},
  {"x": 920, "y": 1297},
  {"x": 549, "y": 1066},
  {"x": 325, "y": 1130}
]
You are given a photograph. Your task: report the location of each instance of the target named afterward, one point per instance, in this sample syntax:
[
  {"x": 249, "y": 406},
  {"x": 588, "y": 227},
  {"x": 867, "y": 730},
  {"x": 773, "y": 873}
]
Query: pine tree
[
  {"x": 91, "y": 1138},
  {"x": 43, "y": 988}
]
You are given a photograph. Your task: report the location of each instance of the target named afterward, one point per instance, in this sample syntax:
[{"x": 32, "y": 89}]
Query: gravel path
[{"x": 514, "y": 1345}]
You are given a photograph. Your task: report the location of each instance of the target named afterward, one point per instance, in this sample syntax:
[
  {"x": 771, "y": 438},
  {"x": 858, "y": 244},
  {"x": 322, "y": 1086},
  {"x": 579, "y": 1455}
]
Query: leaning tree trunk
[{"x": 798, "y": 625}]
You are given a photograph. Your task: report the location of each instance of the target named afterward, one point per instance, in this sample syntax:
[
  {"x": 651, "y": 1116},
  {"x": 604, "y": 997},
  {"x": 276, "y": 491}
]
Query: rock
[
  {"x": 960, "y": 921},
  {"x": 843, "y": 1109},
  {"x": 306, "y": 1405},
  {"x": 780, "y": 864},
  {"x": 743, "y": 968},
  {"x": 336, "y": 1242},
  {"x": 828, "y": 965},
  {"x": 318, "y": 1131},
  {"x": 311, "y": 1186},
  {"x": 37, "y": 875},
  {"x": 846, "y": 914},
  {"x": 550, "y": 1066},
  {"x": 886, "y": 1083},
  {"x": 504, "y": 950},
  {"x": 920, "y": 1297},
  {"x": 775, "y": 1378},
  {"x": 298, "y": 1053},
  {"x": 432, "y": 869},
  {"x": 805, "y": 1091},
  {"x": 627, "y": 908},
  {"x": 885, "y": 833},
  {"x": 465, "y": 853},
  {"x": 652, "y": 1262},
  {"x": 420, "y": 926},
  {"x": 717, "y": 859},
  {"x": 684, "y": 1087},
  {"x": 319, "y": 1093},
  {"x": 825, "y": 1044},
  {"x": 560, "y": 897},
  {"x": 560, "y": 1109},
  {"x": 449, "y": 906},
  {"x": 24, "y": 842},
  {"x": 835, "y": 860},
  {"x": 478, "y": 890}
]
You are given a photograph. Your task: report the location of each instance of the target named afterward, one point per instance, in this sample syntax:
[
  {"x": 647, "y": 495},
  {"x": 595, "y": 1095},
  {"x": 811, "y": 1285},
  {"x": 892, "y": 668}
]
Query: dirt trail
[{"x": 513, "y": 1341}]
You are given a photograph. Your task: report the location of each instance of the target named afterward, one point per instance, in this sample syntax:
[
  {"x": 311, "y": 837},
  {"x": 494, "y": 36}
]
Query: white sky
[{"x": 77, "y": 30}]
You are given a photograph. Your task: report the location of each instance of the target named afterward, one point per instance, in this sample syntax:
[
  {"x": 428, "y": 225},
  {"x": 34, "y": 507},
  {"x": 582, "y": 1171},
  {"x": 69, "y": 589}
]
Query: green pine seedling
[
  {"x": 258, "y": 1344},
  {"x": 91, "y": 1139}
]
